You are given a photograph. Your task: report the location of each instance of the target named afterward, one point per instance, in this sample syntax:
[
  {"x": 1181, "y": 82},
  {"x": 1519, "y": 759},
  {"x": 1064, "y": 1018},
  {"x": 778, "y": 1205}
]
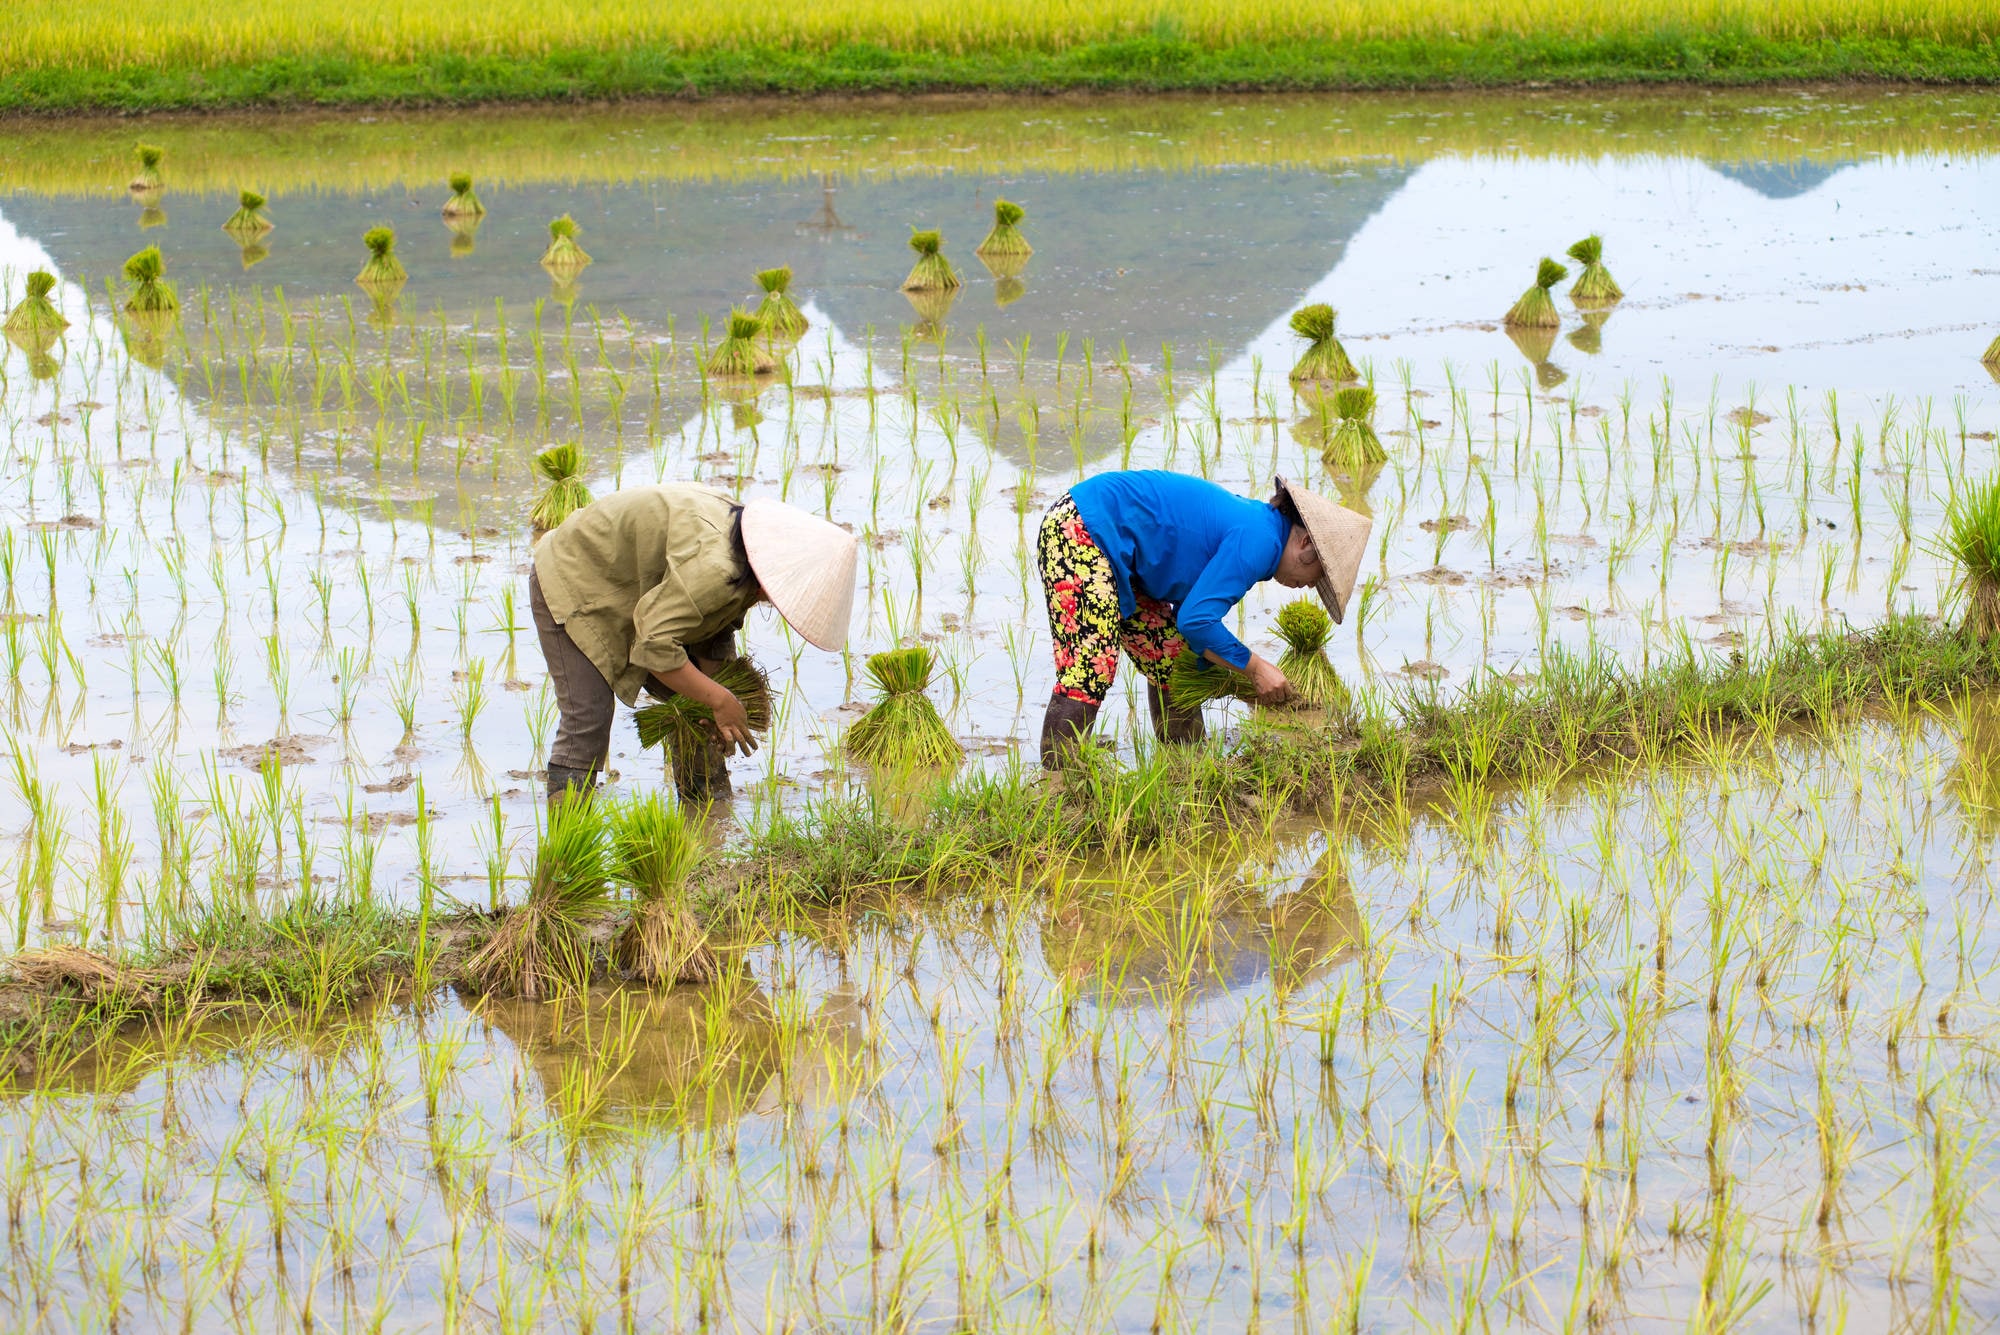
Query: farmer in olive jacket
[{"x": 647, "y": 588}]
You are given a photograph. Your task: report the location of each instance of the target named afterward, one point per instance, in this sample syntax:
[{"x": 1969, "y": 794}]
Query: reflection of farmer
[
  {"x": 647, "y": 588},
  {"x": 1150, "y": 562}
]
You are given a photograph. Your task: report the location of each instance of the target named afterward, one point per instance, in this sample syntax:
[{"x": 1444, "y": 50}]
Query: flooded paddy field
[{"x": 1697, "y": 1039}]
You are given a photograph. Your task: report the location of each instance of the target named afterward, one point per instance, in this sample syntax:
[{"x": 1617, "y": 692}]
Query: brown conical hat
[
  {"x": 1341, "y": 536},
  {"x": 805, "y": 566}
]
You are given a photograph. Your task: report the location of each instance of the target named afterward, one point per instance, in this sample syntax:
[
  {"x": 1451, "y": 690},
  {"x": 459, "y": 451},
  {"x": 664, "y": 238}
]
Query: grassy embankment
[
  {"x": 988, "y": 835},
  {"x": 81, "y": 55}
]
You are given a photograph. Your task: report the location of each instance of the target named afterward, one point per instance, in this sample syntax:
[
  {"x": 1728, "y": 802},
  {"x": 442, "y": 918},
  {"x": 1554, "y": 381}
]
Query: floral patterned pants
[{"x": 1084, "y": 620}]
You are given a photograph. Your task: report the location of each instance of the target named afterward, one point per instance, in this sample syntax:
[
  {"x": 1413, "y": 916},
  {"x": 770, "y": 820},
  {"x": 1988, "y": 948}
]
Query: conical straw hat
[
  {"x": 1341, "y": 536},
  {"x": 806, "y": 568}
]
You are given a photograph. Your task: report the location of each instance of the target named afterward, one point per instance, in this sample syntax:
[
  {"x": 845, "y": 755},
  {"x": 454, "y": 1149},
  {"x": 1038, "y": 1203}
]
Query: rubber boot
[
  {"x": 1177, "y": 727},
  {"x": 563, "y": 781},
  {"x": 1064, "y": 727}
]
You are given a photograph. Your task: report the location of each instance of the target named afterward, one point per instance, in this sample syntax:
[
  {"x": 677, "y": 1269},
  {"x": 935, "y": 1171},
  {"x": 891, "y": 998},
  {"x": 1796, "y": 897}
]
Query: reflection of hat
[
  {"x": 805, "y": 566},
  {"x": 1341, "y": 537}
]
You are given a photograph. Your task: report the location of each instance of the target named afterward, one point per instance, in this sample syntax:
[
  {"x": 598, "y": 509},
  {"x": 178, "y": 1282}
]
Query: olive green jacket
[{"x": 643, "y": 575}]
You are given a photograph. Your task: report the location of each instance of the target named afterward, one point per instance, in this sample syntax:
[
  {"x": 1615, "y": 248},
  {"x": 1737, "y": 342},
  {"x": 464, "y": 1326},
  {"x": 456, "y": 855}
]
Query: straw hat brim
[
  {"x": 805, "y": 566},
  {"x": 1341, "y": 536}
]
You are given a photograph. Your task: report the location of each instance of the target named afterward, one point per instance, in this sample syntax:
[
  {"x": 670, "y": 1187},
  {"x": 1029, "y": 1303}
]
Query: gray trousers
[{"x": 586, "y": 706}]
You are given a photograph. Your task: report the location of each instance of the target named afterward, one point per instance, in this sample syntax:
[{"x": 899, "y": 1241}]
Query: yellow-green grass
[
  {"x": 307, "y": 51},
  {"x": 416, "y": 151}
]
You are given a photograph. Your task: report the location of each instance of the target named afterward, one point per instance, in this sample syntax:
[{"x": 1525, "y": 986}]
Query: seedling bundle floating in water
[
  {"x": 1005, "y": 240},
  {"x": 151, "y": 293},
  {"x": 383, "y": 270},
  {"x": 932, "y": 271},
  {"x": 1324, "y": 358},
  {"x": 1193, "y": 681},
  {"x": 781, "y": 315},
  {"x": 562, "y": 467},
  {"x": 1305, "y": 627},
  {"x": 249, "y": 218},
  {"x": 1971, "y": 539},
  {"x": 1537, "y": 307},
  {"x": 682, "y": 723},
  {"x": 904, "y": 728},
  {"x": 147, "y": 180},
  {"x": 463, "y": 203},
  {"x": 738, "y": 353},
  {"x": 1595, "y": 285},
  {"x": 564, "y": 256},
  {"x": 36, "y": 320},
  {"x": 654, "y": 849},
  {"x": 544, "y": 945},
  {"x": 1354, "y": 441}
]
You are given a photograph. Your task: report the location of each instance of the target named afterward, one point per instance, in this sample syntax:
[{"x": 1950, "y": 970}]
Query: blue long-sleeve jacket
[{"x": 1184, "y": 541}]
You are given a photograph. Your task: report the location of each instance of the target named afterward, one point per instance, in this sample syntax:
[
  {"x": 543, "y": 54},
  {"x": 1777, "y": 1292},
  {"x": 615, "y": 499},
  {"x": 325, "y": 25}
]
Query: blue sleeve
[{"x": 1229, "y": 575}]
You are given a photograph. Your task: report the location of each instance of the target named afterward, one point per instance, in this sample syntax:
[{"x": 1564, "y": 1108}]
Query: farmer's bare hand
[
  {"x": 732, "y": 726},
  {"x": 1272, "y": 688}
]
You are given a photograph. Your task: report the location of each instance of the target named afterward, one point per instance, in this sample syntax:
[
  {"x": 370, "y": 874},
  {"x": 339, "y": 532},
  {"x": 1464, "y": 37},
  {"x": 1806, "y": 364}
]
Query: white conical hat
[
  {"x": 806, "y": 568},
  {"x": 1341, "y": 536}
]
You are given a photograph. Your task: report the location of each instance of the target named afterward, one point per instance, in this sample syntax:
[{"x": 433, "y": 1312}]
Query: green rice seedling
[
  {"x": 1594, "y": 285},
  {"x": 738, "y": 353},
  {"x": 1324, "y": 358},
  {"x": 1537, "y": 309},
  {"x": 904, "y": 727},
  {"x": 781, "y": 315},
  {"x": 1971, "y": 541},
  {"x": 35, "y": 319},
  {"x": 1194, "y": 681},
  {"x": 1005, "y": 240},
  {"x": 561, "y": 466},
  {"x": 543, "y": 945},
  {"x": 564, "y": 255},
  {"x": 932, "y": 271},
  {"x": 151, "y": 293},
  {"x": 654, "y": 849},
  {"x": 147, "y": 180},
  {"x": 383, "y": 270},
  {"x": 1305, "y": 628},
  {"x": 1354, "y": 442},
  {"x": 249, "y": 218},
  {"x": 463, "y": 203},
  {"x": 682, "y": 723}
]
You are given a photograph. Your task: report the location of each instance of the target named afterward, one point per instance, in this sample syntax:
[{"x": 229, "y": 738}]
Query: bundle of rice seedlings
[
  {"x": 682, "y": 723},
  {"x": 249, "y": 219},
  {"x": 1324, "y": 358},
  {"x": 1354, "y": 441},
  {"x": 562, "y": 467},
  {"x": 781, "y": 315},
  {"x": 904, "y": 728},
  {"x": 932, "y": 271},
  {"x": 1588, "y": 338},
  {"x": 1537, "y": 308},
  {"x": 1005, "y": 238},
  {"x": 738, "y": 353},
  {"x": 564, "y": 255},
  {"x": 463, "y": 203},
  {"x": 1971, "y": 540},
  {"x": 544, "y": 944},
  {"x": 1305, "y": 628},
  {"x": 151, "y": 293},
  {"x": 1194, "y": 681},
  {"x": 1594, "y": 285},
  {"x": 147, "y": 180},
  {"x": 1992, "y": 357},
  {"x": 36, "y": 318},
  {"x": 654, "y": 849},
  {"x": 383, "y": 268}
]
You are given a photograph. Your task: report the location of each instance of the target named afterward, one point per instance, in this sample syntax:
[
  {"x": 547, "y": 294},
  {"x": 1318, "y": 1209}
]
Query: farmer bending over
[
  {"x": 647, "y": 588},
  {"x": 1151, "y": 561}
]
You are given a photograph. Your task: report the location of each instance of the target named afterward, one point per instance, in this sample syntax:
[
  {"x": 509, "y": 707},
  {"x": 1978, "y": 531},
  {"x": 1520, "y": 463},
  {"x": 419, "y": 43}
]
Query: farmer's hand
[
  {"x": 1272, "y": 688},
  {"x": 732, "y": 724}
]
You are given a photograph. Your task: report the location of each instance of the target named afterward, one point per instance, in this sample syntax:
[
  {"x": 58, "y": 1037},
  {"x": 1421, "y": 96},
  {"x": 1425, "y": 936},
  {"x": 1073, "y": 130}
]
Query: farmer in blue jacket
[{"x": 1149, "y": 563}]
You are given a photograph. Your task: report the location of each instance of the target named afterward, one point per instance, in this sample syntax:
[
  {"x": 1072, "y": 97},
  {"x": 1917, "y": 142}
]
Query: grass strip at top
[
  {"x": 45, "y": 82},
  {"x": 1010, "y": 827}
]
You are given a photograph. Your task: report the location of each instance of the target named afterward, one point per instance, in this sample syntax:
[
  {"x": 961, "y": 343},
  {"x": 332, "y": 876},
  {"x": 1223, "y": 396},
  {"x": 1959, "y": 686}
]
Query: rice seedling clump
[
  {"x": 1594, "y": 285},
  {"x": 147, "y": 179},
  {"x": 904, "y": 727},
  {"x": 654, "y": 849},
  {"x": 1005, "y": 239},
  {"x": 383, "y": 269},
  {"x": 932, "y": 271},
  {"x": 1354, "y": 442},
  {"x": 1537, "y": 307},
  {"x": 151, "y": 293},
  {"x": 1305, "y": 627},
  {"x": 1971, "y": 540},
  {"x": 1324, "y": 358},
  {"x": 561, "y": 466},
  {"x": 544, "y": 945},
  {"x": 35, "y": 319},
  {"x": 1194, "y": 681},
  {"x": 463, "y": 203},
  {"x": 564, "y": 255},
  {"x": 1992, "y": 357},
  {"x": 682, "y": 722},
  {"x": 738, "y": 353},
  {"x": 249, "y": 218},
  {"x": 781, "y": 315}
]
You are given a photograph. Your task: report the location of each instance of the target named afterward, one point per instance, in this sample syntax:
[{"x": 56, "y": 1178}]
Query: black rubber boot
[
  {"x": 1064, "y": 727},
  {"x": 563, "y": 781},
  {"x": 1177, "y": 727}
]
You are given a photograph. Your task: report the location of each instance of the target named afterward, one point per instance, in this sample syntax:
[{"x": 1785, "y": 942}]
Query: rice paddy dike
[{"x": 1619, "y": 961}]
